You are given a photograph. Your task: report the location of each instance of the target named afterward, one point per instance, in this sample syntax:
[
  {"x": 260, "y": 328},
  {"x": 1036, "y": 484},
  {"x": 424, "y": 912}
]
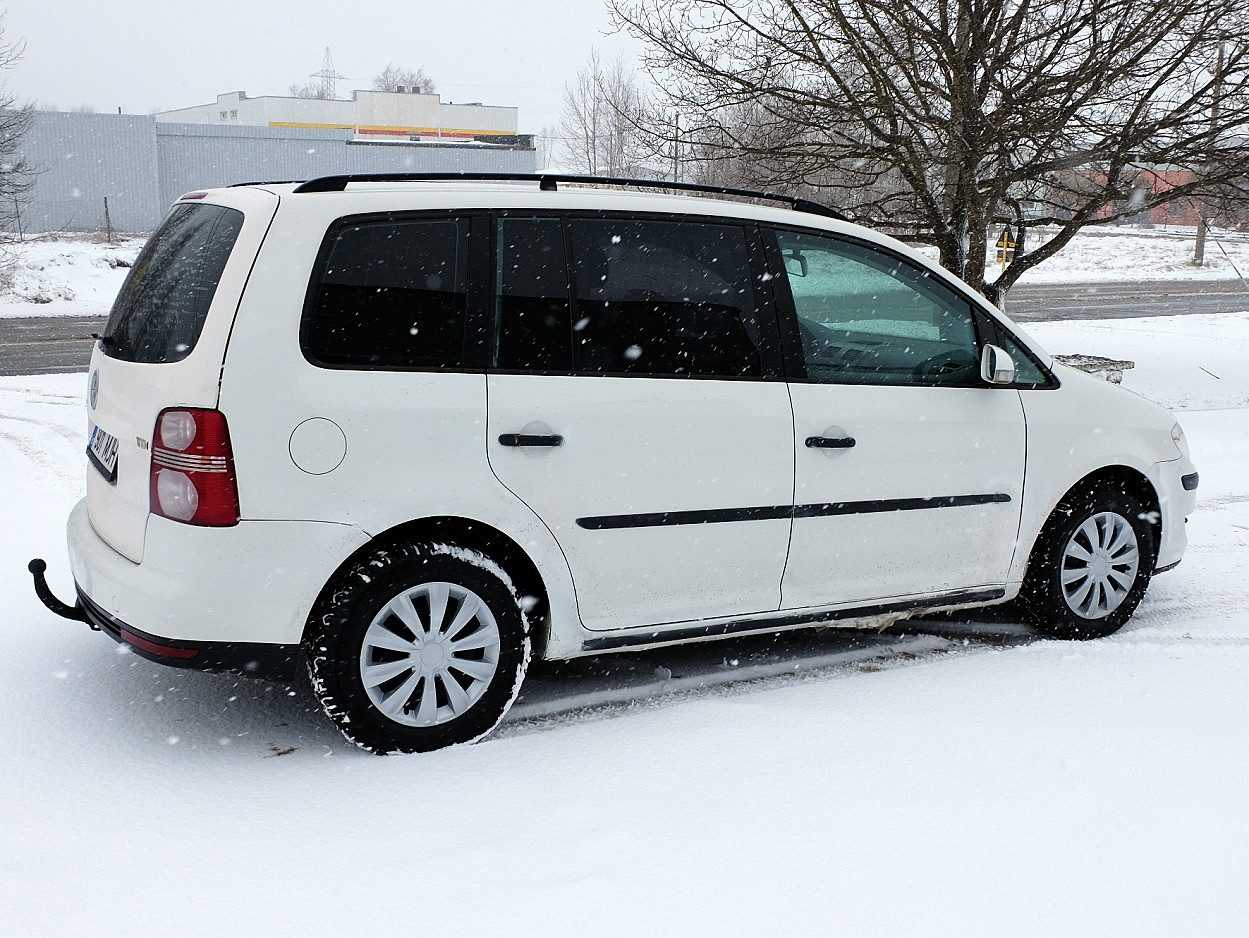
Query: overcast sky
[{"x": 147, "y": 55}]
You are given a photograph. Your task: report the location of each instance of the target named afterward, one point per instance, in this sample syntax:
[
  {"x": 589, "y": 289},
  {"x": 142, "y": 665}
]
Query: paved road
[
  {"x": 1125, "y": 300},
  {"x": 45, "y": 345}
]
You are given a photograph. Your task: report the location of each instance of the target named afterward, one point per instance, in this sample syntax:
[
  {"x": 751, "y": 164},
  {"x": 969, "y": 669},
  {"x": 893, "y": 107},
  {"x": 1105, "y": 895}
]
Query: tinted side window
[
  {"x": 867, "y": 317},
  {"x": 160, "y": 311},
  {"x": 663, "y": 298},
  {"x": 532, "y": 324},
  {"x": 391, "y": 294}
]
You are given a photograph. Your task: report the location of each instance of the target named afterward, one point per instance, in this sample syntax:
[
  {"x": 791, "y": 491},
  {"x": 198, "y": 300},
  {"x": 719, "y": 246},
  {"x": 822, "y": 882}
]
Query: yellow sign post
[{"x": 1006, "y": 247}]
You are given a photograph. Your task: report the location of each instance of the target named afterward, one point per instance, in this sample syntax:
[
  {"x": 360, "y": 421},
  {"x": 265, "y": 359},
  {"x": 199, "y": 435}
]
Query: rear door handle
[
  {"x": 531, "y": 439},
  {"x": 830, "y": 442}
]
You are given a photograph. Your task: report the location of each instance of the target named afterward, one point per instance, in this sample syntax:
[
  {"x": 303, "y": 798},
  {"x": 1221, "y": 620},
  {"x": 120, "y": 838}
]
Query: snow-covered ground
[
  {"x": 1115, "y": 254},
  {"x": 60, "y": 276},
  {"x": 1124, "y": 254},
  {"x": 65, "y": 276},
  {"x": 1050, "y": 789}
]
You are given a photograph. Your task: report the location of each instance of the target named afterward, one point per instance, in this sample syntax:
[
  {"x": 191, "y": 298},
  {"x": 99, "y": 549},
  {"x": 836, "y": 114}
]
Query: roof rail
[
  {"x": 548, "y": 182},
  {"x": 267, "y": 182}
]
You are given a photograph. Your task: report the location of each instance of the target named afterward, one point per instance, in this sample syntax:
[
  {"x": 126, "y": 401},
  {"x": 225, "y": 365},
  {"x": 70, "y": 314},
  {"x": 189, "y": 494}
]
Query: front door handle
[
  {"x": 830, "y": 442},
  {"x": 531, "y": 439}
]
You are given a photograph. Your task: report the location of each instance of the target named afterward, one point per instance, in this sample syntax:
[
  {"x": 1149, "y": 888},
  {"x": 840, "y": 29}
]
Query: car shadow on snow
[
  {"x": 146, "y": 705},
  {"x": 583, "y": 688}
]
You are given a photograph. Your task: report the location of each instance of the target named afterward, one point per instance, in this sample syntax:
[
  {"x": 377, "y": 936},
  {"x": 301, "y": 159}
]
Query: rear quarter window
[
  {"x": 390, "y": 294},
  {"x": 160, "y": 311}
]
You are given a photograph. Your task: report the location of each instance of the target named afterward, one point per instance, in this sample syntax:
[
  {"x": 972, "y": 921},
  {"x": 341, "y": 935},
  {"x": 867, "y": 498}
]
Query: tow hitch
[{"x": 37, "y": 568}]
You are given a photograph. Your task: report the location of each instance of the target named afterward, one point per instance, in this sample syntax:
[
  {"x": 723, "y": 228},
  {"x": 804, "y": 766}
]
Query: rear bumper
[
  {"x": 275, "y": 661},
  {"x": 248, "y": 585}
]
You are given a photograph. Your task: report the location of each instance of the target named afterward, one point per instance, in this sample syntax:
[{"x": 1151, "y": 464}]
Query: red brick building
[{"x": 1148, "y": 181}]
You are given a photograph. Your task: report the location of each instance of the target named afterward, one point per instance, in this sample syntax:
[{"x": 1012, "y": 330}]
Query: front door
[{"x": 909, "y": 469}]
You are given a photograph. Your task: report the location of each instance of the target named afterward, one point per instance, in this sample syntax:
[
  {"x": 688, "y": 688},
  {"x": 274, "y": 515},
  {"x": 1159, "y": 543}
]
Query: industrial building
[
  {"x": 124, "y": 170},
  {"x": 379, "y": 115}
]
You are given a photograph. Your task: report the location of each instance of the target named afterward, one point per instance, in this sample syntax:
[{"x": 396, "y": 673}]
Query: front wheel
[
  {"x": 417, "y": 647},
  {"x": 1091, "y": 565}
]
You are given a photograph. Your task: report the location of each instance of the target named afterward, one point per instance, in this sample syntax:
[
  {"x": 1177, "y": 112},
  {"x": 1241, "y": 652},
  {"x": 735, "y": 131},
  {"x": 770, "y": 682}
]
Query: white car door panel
[
  {"x": 657, "y": 492},
  {"x": 926, "y": 500},
  {"x": 909, "y": 470},
  {"x": 630, "y": 408}
]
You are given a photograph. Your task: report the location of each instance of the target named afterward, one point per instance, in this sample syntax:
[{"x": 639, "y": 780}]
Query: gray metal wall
[
  {"x": 142, "y": 166},
  {"x": 78, "y": 160},
  {"x": 199, "y": 156}
]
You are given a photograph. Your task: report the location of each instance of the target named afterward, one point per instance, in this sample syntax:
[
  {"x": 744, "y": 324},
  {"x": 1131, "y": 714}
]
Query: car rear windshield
[{"x": 161, "y": 309}]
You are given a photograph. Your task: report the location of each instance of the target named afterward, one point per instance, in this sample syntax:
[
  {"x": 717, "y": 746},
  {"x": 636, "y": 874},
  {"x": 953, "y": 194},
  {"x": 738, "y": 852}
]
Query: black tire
[
  {"x": 1110, "y": 517},
  {"x": 358, "y": 619}
]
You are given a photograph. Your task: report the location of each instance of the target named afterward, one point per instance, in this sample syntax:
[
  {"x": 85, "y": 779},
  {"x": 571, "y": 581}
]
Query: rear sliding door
[{"x": 635, "y": 404}]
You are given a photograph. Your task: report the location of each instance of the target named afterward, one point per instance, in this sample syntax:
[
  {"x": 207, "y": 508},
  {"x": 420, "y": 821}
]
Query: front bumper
[{"x": 1175, "y": 481}]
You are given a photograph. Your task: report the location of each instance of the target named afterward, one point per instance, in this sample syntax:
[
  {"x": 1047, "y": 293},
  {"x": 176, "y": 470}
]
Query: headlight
[{"x": 1180, "y": 441}]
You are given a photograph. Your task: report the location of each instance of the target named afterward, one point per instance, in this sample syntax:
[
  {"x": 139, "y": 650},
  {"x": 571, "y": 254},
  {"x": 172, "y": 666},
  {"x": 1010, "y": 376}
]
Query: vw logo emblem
[{"x": 94, "y": 393}]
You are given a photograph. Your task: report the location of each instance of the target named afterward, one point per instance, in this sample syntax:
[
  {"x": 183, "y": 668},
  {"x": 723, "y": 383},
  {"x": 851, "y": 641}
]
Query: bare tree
[
  {"x": 544, "y": 143},
  {"x": 935, "y": 118},
  {"x": 392, "y": 78},
  {"x": 598, "y": 127},
  {"x": 15, "y": 174},
  {"x": 309, "y": 89}
]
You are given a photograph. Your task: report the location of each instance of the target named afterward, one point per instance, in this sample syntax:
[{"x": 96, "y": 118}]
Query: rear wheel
[
  {"x": 417, "y": 647},
  {"x": 1091, "y": 565}
]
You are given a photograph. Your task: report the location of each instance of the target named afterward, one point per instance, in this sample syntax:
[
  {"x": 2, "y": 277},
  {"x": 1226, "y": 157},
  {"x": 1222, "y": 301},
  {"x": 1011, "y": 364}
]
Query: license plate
[{"x": 102, "y": 451}]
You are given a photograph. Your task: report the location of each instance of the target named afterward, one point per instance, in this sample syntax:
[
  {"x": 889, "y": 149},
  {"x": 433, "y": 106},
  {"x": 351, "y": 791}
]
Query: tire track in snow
[
  {"x": 1169, "y": 641},
  {"x": 1180, "y": 610},
  {"x": 549, "y": 708},
  {"x": 1215, "y": 502},
  {"x": 35, "y": 396},
  {"x": 47, "y": 465},
  {"x": 75, "y": 436},
  {"x": 45, "y": 397}
]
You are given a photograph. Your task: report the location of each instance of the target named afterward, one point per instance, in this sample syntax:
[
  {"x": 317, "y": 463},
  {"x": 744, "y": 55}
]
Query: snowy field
[
  {"x": 993, "y": 789},
  {"x": 1116, "y": 254},
  {"x": 65, "y": 276},
  {"x": 1112, "y": 254},
  {"x": 60, "y": 276}
]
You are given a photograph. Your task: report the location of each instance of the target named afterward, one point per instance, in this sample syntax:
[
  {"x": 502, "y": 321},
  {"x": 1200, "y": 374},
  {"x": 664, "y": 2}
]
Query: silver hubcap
[
  {"x": 430, "y": 654},
  {"x": 1099, "y": 565}
]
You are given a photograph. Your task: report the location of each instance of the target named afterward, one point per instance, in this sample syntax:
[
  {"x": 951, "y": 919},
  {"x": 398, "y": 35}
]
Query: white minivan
[{"x": 408, "y": 431}]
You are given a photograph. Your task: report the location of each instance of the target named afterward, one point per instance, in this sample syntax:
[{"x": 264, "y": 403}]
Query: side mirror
[{"x": 996, "y": 366}]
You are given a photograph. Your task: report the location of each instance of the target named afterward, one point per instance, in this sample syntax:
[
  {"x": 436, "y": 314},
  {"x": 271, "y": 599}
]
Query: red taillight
[{"x": 193, "y": 468}]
